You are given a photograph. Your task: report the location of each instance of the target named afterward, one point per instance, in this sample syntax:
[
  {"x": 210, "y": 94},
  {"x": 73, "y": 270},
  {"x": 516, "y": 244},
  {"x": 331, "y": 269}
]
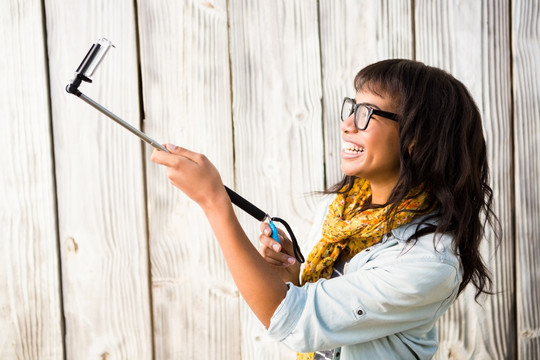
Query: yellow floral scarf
[{"x": 349, "y": 227}]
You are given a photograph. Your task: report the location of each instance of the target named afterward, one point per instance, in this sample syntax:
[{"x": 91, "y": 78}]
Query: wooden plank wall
[
  {"x": 102, "y": 259},
  {"x": 187, "y": 101},
  {"x": 277, "y": 121},
  {"x": 30, "y": 289},
  {"x": 100, "y": 186},
  {"x": 526, "y": 111},
  {"x": 444, "y": 29}
]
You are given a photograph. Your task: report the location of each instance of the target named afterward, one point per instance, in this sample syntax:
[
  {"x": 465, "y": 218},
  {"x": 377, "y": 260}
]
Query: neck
[{"x": 380, "y": 192}]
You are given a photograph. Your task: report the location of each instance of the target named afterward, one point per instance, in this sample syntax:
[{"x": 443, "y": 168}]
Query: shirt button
[{"x": 360, "y": 312}]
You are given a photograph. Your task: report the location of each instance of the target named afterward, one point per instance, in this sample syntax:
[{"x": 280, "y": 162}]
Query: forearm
[
  {"x": 260, "y": 286},
  {"x": 197, "y": 177}
]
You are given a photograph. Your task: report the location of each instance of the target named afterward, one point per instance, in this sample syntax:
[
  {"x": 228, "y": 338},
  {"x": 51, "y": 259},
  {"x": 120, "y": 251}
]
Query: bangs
[{"x": 382, "y": 78}]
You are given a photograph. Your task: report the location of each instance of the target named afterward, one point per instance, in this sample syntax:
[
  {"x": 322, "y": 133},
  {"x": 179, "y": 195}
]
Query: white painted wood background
[{"x": 100, "y": 258}]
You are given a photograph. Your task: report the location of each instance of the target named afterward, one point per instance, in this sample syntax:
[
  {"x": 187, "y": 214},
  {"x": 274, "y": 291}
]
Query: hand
[
  {"x": 279, "y": 255},
  {"x": 192, "y": 173},
  {"x": 259, "y": 284}
]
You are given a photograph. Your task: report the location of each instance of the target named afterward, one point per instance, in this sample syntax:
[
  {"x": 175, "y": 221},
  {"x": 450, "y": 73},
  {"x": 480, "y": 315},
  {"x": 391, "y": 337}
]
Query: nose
[{"x": 348, "y": 126}]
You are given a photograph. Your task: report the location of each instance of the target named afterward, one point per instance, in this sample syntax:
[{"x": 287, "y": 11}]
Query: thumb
[
  {"x": 173, "y": 148},
  {"x": 178, "y": 150},
  {"x": 187, "y": 154}
]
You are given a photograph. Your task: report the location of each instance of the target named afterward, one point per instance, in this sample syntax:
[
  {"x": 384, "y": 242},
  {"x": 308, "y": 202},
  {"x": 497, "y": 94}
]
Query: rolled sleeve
[
  {"x": 364, "y": 305},
  {"x": 287, "y": 313}
]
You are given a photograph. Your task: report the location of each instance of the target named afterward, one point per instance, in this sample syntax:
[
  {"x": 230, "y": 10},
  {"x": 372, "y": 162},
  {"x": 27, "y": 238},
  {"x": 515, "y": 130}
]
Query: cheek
[{"x": 392, "y": 148}]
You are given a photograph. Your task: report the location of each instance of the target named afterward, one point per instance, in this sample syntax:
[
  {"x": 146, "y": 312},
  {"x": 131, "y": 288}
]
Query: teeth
[{"x": 354, "y": 149}]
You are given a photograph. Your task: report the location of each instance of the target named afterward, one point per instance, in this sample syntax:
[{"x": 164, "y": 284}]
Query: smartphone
[{"x": 93, "y": 58}]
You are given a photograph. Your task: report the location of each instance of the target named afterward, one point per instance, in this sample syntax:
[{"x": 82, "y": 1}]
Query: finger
[
  {"x": 273, "y": 250},
  {"x": 265, "y": 227},
  {"x": 197, "y": 158},
  {"x": 268, "y": 241},
  {"x": 275, "y": 258},
  {"x": 266, "y": 230},
  {"x": 171, "y": 158},
  {"x": 163, "y": 158},
  {"x": 266, "y": 254}
]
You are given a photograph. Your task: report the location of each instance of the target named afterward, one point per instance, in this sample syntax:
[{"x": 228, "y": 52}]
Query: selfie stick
[{"x": 86, "y": 70}]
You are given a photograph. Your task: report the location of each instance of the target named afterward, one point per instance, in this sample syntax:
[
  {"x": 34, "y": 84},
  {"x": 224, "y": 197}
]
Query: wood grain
[
  {"x": 276, "y": 84},
  {"x": 30, "y": 297},
  {"x": 187, "y": 101},
  {"x": 353, "y": 35},
  {"x": 129, "y": 263},
  {"x": 526, "y": 91},
  {"x": 99, "y": 172},
  {"x": 443, "y": 31}
]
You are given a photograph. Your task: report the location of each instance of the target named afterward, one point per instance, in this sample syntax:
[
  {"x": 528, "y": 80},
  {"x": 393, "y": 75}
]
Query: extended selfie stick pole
[
  {"x": 125, "y": 124},
  {"x": 235, "y": 198},
  {"x": 83, "y": 73}
]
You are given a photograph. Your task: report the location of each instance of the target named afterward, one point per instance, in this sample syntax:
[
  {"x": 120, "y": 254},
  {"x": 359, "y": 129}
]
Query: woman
[{"x": 400, "y": 239}]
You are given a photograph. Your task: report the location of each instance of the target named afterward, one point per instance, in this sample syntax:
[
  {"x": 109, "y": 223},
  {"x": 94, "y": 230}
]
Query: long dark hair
[{"x": 442, "y": 148}]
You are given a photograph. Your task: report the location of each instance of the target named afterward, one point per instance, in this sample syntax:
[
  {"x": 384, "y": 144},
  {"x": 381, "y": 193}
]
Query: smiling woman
[
  {"x": 399, "y": 241},
  {"x": 371, "y": 143}
]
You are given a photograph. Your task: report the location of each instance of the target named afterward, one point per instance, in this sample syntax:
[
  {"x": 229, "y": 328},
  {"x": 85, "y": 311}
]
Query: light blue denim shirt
[{"x": 385, "y": 306}]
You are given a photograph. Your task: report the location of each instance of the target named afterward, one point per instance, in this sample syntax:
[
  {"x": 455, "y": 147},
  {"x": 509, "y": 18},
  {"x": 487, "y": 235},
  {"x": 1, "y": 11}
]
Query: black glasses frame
[{"x": 371, "y": 111}]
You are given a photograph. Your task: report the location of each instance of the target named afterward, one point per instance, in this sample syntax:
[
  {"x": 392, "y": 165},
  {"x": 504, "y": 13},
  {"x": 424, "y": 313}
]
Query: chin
[{"x": 350, "y": 172}]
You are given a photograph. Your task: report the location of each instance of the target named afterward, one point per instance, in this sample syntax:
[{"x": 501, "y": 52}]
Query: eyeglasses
[{"x": 362, "y": 113}]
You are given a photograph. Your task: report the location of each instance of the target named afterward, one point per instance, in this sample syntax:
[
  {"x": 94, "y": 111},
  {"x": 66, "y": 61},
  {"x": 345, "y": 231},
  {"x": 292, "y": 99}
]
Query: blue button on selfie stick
[{"x": 275, "y": 235}]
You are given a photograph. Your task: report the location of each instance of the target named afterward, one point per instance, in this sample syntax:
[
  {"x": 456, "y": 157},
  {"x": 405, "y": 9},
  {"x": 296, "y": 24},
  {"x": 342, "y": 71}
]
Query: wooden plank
[
  {"x": 468, "y": 39},
  {"x": 526, "y": 86},
  {"x": 276, "y": 80},
  {"x": 30, "y": 302},
  {"x": 353, "y": 35},
  {"x": 187, "y": 99},
  {"x": 102, "y": 220}
]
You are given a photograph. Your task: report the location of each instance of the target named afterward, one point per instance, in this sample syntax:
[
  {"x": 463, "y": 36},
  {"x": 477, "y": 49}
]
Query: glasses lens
[
  {"x": 362, "y": 115},
  {"x": 347, "y": 109}
]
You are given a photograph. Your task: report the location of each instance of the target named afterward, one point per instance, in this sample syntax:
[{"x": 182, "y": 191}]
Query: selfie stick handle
[{"x": 246, "y": 205}]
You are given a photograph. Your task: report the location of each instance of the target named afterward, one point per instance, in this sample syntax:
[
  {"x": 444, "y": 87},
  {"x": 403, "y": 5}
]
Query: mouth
[{"x": 352, "y": 149}]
